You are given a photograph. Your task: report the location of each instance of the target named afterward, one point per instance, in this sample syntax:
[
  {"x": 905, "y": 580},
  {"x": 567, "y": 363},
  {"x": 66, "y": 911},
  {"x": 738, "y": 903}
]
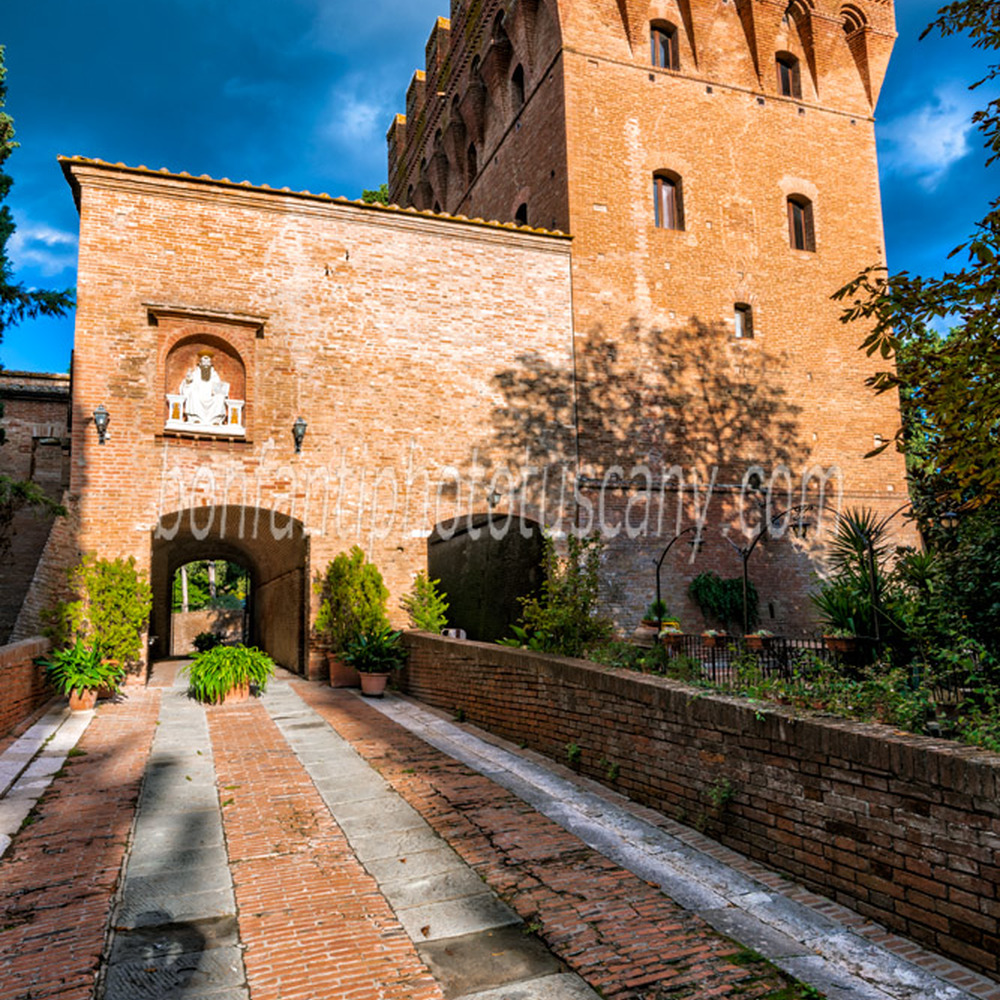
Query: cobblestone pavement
[{"x": 312, "y": 845}]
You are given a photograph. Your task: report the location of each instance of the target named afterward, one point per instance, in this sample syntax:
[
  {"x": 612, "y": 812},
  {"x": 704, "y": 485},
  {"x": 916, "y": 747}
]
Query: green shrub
[
  {"x": 110, "y": 610},
  {"x": 563, "y": 618},
  {"x": 425, "y": 604},
  {"x": 81, "y": 668},
  {"x": 352, "y": 600},
  {"x": 721, "y": 601},
  {"x": 204, "y": 641},
  {"x": 215, "y": 673}
]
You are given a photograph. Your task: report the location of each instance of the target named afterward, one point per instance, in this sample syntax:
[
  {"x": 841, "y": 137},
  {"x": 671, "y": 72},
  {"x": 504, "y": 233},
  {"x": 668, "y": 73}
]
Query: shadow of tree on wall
[
  {"x": 649, "y": 418},
  {"x": 692, "y": 396}
]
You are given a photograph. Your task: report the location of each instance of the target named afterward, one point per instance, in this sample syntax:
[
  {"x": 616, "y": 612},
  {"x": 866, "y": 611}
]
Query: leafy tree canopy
[
  {"x": 949, "y": 383},
  {"x": 379, "y": 195}
]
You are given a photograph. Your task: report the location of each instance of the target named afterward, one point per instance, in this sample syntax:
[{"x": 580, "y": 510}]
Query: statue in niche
[{"x": 204, "y": 393}]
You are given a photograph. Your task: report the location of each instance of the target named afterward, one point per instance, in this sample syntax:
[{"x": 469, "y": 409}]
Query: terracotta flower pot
[
  {"x": 672, "y": 640},
  {"x": 373, "y": 685},
  {"x": 82, "y": 699},
  {"x": 342, "y": 675},
  {"x": 237, "y": 694},
  {"x": 715, "y": 641},
  {"x": 840, "y": 643},
  {"x": 758, "y": 642}
]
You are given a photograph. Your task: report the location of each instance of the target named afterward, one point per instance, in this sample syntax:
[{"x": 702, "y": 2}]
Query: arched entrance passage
[
  {"x": 272, "y": 546},
  {"x": 486, "y": 563}
]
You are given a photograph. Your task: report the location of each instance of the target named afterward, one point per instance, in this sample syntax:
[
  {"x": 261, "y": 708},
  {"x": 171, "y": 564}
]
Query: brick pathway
[
  {"x": 61, "y": 871},
  {"x": 313, "y": 921},
  {"x": 623, "y": 936}
]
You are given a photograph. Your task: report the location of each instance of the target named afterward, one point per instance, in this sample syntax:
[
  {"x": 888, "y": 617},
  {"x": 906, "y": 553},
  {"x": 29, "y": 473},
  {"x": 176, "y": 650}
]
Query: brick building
[
  {"x": 672, "y": 362},
  {"x": 35, "y": 422},
  {"x": 715, "y": 164}
]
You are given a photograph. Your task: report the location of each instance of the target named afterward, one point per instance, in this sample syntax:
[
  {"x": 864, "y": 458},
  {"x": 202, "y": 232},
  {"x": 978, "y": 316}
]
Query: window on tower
[
  {"x": 668, "y": 200},
  {"x": 473, "y": 163},
  {"x": 789, "y": 80},
  {"x": 663, "y": 41},
  {"x": 743, "y": 316},
  {"x": 517, "y": 88},
  {"x": 521, "y": 215},
  {"x": 801, "y": 234}
]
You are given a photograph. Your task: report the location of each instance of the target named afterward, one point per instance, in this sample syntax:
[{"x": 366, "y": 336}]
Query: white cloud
[
  {"x": 928, "y": 141},
  {"x": 354, "y": 117},
  {"x": 40, "y": 246}
]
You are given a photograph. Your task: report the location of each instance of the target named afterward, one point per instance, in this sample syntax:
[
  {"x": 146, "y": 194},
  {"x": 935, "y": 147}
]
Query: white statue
[{"x": 204, "y": 393}]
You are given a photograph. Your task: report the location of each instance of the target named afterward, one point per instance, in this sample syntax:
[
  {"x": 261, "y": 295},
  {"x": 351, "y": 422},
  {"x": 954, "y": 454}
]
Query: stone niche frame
[{"x": 232, "y": 337}]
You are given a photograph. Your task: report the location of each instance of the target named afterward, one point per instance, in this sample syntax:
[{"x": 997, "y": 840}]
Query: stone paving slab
[
  {"x": 468, "y": 965},
  {"x": 564, "y": 987},
  {"x": 24, "y": 749}
]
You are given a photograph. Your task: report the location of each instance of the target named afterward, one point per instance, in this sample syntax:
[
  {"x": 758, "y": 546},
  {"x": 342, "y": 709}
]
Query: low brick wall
[
  {"x": 22, "y": 683},
  {"x": 185, "y": 625},
  {"x": 903, "y": 829}
]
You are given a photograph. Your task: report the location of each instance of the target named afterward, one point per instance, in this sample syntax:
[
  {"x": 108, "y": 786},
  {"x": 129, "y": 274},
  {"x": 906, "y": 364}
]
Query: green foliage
[
  {"x": 951, "y": 382},
  {"x": 377, "y": 652},
  {"x": 231, "y": 586},
  {"x": 657, "y": 611},
  {"x": 426, "y": 606},
  {"x": 81, "y": 668},
  {"x": 204, "y": 641},
  {"x": 720, "y": 793},
  {"x": 213, "y": 674},
  {"x": 563, "y": 618},
  {"x": 352, "y": 600},
  {"x": 111, "y": 609},
  {"x": 573, "y": 754},
  {"x": 376, "y": 196},
  {"x": 16, "y": 301},
  {"x": 721, "y": 600},
  {"x": 15, "y": 495},
  {"x": 843, "y": 609}
]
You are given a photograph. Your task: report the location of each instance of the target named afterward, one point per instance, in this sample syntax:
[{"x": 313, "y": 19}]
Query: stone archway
[{"x": 272, "y": 546}]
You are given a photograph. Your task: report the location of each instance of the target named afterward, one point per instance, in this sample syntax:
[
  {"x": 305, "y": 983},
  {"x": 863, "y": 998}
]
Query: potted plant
[
  {"x": 425, "y": 605},
  {"x": 655, "y": 614},
  {"x": 229, "y": 673},
  {"x": 714, "y": 638},
  {"x": 352, "y": 601},
  {"x": 839, "y": 606},
  {"x": 375, "y": 655},
  {"x": 761, "y": 639},
  {"x": 80, "y": 672},
  {"x": 671, "y": 635}
]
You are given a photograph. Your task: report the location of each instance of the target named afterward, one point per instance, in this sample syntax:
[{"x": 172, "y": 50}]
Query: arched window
[
  {"x": 668, "y": 200},
  {"x": 517, "y": 88},
  {"x": 853, "y": 19},
  {"x": 801, "y": 234},
  {"x": 521, "y": 215},
  {"x": 789, "y": 80},
  {"x": 663, "y": 42},
  {"x": 473, "y": 163}
]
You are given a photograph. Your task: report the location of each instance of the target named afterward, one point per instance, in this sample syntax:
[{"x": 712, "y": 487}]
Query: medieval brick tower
[{"x": 714, "y": 162}]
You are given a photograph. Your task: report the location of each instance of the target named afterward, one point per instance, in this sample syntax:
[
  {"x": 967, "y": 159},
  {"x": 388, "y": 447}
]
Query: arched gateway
[{"x": 272, "y": 546}]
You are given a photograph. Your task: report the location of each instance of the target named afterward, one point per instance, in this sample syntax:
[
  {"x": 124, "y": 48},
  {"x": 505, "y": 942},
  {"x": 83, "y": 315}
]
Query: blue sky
[{"x": 300, "y": 94}]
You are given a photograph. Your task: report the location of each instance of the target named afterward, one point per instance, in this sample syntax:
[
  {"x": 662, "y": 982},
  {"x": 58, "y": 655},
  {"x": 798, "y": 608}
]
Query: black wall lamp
[
  {"x": 299, "y": 433},
  {"x": 101, "y": 420}
]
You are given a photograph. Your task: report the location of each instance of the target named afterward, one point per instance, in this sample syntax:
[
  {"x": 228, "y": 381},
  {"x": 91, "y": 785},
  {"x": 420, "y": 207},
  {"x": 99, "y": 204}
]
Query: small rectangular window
[{"x": 744, "y": 321}]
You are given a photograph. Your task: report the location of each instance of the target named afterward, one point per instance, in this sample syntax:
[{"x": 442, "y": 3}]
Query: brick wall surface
[
  {"x": 22, "y": 682},
  {"x": 186, "y": 625},
  {"x": 903, "y": 829}
]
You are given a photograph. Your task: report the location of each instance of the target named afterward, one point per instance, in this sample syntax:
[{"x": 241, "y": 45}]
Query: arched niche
[{"x": 228, "y": 379}]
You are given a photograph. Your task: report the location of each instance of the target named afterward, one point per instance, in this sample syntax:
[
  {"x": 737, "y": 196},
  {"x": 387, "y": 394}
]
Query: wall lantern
[
  {"x": 101, "y": 420},
  {"x": 299, "y": 433}
]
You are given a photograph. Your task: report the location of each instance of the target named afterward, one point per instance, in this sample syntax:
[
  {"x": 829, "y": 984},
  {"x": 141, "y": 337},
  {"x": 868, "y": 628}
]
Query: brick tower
[{"x": 715, "y": 164}]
